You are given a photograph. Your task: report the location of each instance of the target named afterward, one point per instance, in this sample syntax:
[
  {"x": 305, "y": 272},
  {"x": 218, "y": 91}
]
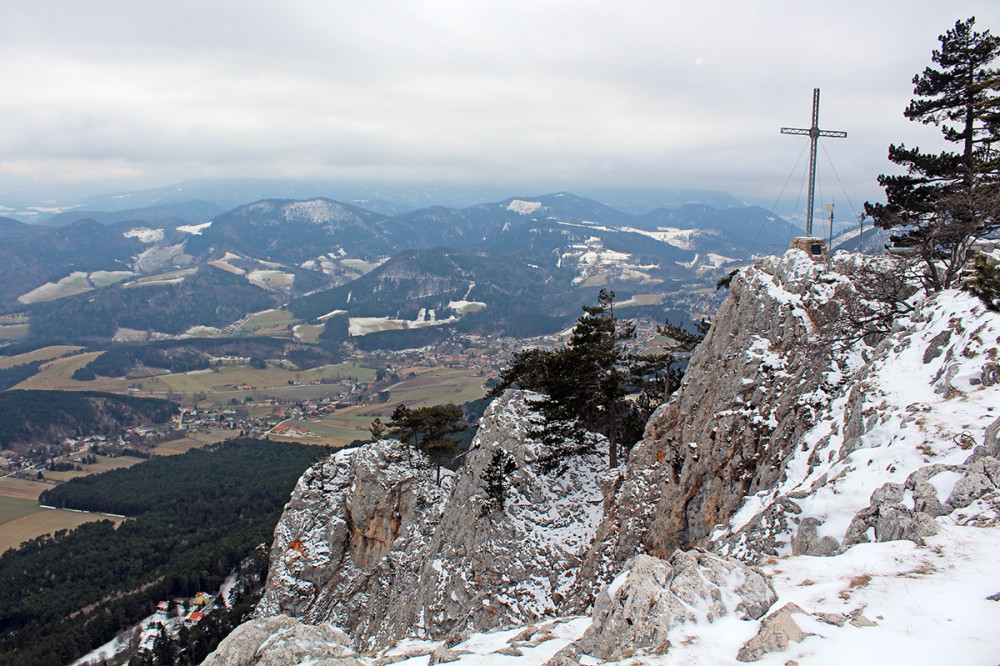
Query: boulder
[
  {"x": 776, "y": 632},
  {"x": 650, "y": 596},
  {"x": 284, "y": 641}
]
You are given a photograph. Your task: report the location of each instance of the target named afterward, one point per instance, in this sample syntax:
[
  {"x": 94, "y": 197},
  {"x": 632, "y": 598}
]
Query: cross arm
[{"x": 808, "y": 132}]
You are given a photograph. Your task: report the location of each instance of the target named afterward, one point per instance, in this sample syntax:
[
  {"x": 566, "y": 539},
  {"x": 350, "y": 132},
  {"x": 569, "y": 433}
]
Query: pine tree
[
  {"x": 427, "y": 429},
  {"x": 585, "y": 383},
  {"x": 946, "y": 201},
  {"x": 494, "y": 477}
]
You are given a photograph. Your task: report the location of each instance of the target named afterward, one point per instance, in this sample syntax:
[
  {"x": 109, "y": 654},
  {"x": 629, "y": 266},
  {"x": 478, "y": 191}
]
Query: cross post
[{"x": 814, "y": 133}]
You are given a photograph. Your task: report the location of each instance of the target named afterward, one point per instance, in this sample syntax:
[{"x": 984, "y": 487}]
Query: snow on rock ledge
[{"x": 910, "y": 438}]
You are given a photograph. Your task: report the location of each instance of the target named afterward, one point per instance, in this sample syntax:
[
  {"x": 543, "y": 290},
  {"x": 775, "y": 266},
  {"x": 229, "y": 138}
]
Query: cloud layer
[{"x": 543, "y": 94}]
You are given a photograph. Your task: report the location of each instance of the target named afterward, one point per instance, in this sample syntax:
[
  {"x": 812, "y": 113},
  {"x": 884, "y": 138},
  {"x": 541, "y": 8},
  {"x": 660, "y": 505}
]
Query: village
[{"x": 285, "y": 411}]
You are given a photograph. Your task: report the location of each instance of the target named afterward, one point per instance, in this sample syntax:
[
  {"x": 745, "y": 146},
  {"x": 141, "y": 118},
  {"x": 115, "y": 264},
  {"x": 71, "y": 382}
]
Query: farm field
[
  {"x": 195, "y": 440},
  {"x": 57, "y": 374},
  {"x": 103, "y": 464},
  {"x": 308, "y": 332},
  {"x": 217, "y": 383},
  {"x": 21, "y": 488},
  {"x": 43, "y": 521},
  {"x": 13, "y": 331},
  {"x": 430, "y": 386},
  {"x": 21, "y": 518},
  {"x": 270, "y": 322},
  {"x": 13, "y": 508},
  {"x": 43, "y": 354}
]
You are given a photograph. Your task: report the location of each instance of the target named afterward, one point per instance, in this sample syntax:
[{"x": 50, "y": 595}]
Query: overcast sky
[{"x": 543, "y": 95}]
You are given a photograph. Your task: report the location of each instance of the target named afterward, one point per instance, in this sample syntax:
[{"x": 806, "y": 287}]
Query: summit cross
[{"x": 814, "y": 133}]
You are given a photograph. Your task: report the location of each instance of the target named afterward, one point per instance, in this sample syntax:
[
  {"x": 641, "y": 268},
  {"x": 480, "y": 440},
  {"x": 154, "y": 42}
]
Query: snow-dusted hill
[{"x": 860, "y": 522}]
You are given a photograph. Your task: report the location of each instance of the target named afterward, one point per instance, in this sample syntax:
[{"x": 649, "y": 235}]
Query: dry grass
[
  {"x": 22, "y": 488},
  {"x": 925, "y": 569},
  {"x": 43, "y": 354},
  {"x": 309, "y": 332},
  {"x": 857, "y": 582},
  {"x": 13, "y": 332}
]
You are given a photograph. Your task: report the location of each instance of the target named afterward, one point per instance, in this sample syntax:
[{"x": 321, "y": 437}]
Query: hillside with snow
[{"x": 799, "y": 500}]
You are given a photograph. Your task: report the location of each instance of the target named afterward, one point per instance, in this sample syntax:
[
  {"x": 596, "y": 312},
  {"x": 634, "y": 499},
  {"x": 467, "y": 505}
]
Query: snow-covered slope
[{"x": 866, "y": 491}]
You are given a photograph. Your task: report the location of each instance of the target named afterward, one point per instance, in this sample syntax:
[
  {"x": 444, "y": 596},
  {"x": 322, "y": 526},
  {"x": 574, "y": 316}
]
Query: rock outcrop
[
  {"x": 284, "y": 641},
  {"x": 370, "y": 543},
  {"x": 908, "y": 440},
  {"x": 635, "y": 614},
  {"x": 753, "y": 387},
  {"x": 347, "y": 548}
]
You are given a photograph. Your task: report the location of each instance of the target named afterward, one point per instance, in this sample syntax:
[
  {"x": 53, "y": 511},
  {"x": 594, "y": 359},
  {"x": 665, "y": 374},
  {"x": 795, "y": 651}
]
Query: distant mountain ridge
[{"x": 519, "y": 258}]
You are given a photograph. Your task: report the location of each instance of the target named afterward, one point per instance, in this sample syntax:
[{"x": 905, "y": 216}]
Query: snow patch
[
  {"x": 523, "y": 207},
  {"x": 145, "y": 235},
  {"x": 194, "y": 229}
]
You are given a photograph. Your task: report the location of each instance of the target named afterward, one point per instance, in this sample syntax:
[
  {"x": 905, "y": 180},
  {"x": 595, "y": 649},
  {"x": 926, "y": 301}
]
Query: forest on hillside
[
  {"x": 30, "y": 416},
  {"x": 192, "y": 519}
]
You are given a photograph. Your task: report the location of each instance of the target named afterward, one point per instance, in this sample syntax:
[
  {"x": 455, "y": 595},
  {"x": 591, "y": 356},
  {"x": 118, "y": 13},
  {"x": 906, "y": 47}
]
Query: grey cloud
[{"x": 638, "y": 92}]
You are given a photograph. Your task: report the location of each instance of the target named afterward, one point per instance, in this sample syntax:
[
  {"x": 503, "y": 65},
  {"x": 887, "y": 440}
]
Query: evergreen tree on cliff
[
  {"x": 585, "y": 383},
  {"x": 946, "y": 201}
]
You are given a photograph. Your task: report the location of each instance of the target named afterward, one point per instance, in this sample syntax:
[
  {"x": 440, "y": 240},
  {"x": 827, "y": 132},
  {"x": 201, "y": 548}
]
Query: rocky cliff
[
  {"x": 783, "y": 443},
  {"x": 753, "y": 387},
  {"x": 369, "y": 542}
]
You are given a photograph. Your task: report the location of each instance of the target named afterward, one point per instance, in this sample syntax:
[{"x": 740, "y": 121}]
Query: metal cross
[{"x": 813, "y": 133}]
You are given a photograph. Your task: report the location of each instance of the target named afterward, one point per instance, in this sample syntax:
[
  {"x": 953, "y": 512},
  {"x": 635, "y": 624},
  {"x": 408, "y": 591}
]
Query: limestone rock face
[
  {"x": 905, "y": 440},
  {"x": 346, "y": 548},
  {"x": 752, "y": 388},
  {"x": 637, "y": 611},
  {"x": 483, "y": 571},
  {"x": 370, "y": 543}
]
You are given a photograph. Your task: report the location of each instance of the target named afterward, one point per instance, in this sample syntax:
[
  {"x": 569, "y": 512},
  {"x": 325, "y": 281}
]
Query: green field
[{"x": 12, "y": 508}]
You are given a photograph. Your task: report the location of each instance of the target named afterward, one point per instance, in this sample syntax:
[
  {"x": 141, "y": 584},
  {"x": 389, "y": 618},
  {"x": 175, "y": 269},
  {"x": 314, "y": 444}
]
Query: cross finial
[{"x": 813, "y": 133}]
